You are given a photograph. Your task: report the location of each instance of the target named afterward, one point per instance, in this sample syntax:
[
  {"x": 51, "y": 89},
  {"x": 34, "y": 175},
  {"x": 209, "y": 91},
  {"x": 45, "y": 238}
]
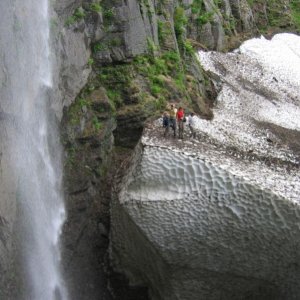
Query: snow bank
[
  {"x": 260, "y": 82},
  {"x": 218, "y": 217}
]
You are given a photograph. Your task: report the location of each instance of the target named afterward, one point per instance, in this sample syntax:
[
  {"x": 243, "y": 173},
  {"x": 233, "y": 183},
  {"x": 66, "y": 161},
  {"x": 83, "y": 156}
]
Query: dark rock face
[
  {"x": 87, "y": 135},
  {"x": 87, "y": 130}
]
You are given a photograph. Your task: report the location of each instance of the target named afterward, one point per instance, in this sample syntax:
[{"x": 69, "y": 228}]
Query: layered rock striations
[{"x": 218, "y": 217}]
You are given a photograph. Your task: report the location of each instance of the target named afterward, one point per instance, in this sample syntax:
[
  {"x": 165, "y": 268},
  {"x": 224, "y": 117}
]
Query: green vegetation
[
  {"x": 160, "y": 103},
  {"x": 99, "y": 47},
  {"x": 295, "y": 10},
  {"x": 164, "y": 31},
  {"x": 218, "y": 3},
  {"x": 70, "y": 20},
  {"x": 115, "y": 79},
  {"x": 78, "y": 15},
  {"x": 90, "y": 62},
  {"x": 70, "y": 161},
  {"x": 278, "y": 15},
  {"x": 75, "y": 110},
  {"x": 229, "y": 25},
  {"x": 105, "y": 45},
  {"x": 204, "y": 18},
  {"x": 180, "y": 21},
  {"x": 96, "y": 123},
  {"x": 108, "y": 15},
  {"x": 90, "y": 88},
  {"x": 161, "y": 71},
  {"x": 153, "y": 49},
  {"x": 163, "y": 74},
  {"x": 197, "y": 7},
  {"x": 115, "y": 98},
  {"x": 152, "y": 79},
  {"x": 250, "y": 2},
  {"x": 96, "y": 7},
  {"x": 150, "y": 11},
  {"x": 116, "y": 42},
  {"x": 160, "y": 30},
  {"x": 189, "y": 47}
]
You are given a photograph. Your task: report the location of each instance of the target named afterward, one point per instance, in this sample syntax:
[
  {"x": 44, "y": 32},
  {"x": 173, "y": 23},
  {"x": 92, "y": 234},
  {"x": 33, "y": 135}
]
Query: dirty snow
[
  {"x": 260, "y": 83},
  {"x": 258, "y": 87}
]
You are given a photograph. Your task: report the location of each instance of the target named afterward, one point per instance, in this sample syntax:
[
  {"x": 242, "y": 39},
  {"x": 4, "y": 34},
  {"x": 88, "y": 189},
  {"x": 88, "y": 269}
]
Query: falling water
[{"x": 26, "y": 91}]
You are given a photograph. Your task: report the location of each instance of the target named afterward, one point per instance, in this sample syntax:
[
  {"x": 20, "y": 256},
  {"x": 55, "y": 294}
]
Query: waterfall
[{"x": 26, "y": 91}]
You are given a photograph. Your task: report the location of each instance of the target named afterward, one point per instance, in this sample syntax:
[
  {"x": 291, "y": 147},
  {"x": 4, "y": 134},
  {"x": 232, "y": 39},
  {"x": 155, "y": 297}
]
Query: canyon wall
[{"x": 116, "y": 63}]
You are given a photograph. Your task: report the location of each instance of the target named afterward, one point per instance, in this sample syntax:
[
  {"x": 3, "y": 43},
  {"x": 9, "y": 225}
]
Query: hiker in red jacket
[{"x": 180, "y": 120}]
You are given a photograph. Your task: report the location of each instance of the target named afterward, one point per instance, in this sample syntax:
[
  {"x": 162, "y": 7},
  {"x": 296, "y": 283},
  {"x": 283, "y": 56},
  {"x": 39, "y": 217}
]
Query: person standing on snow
[
  {"x": 180, "y": 120},
  {"x": 166, "y": 123},
  {"x": 172, "y": 118},
  {"x": 191, "y": 123}
]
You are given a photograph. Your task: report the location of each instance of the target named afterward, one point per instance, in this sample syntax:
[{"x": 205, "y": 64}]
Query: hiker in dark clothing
[{"x": 166, "y": 123}]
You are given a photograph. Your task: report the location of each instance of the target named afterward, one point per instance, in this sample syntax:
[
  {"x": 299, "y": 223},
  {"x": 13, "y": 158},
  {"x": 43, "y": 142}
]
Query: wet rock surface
[{"x": 89, "y": 169}]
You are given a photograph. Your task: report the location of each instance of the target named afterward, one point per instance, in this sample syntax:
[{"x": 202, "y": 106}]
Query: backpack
[{"x": 165, "y": 121}]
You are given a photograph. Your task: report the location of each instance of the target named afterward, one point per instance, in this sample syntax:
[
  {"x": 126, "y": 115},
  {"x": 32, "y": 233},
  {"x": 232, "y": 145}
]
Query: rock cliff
[{"x": 142, "y": 57}]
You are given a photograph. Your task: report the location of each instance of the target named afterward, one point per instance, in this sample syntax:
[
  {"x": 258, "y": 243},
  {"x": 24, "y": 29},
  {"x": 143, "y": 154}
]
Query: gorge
[{"x": 83, "y": 84}]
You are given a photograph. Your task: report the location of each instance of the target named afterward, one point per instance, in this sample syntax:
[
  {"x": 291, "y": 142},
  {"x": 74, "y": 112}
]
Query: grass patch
[
  {"x": 204, "y": 18},
  {"x": 95, "y": 7},
  {"x": 189, "y": 49},
  {"x": 90, "y": 62},
  {"x": 96, "y": 123},
  {"x": 201, "y": 15},
  {"x": 99, "y": 47},
  {"x": 295, "y": 11},
  {"x": 158, "y": 70},
  {"x": 164, "y": 31},
  {"x": 180, "y": 21},
  {"x": 197, "y": 6},
  {"x": 76, "y": 109},
  {"x": 108, "y": 15},
  {"x": 115, "y": 98},
  {"x": 78, "y": 15}
]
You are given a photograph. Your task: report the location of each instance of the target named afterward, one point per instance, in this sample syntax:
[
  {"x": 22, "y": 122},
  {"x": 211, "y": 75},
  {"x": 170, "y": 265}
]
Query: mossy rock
[{"x": 100, "y": 102}]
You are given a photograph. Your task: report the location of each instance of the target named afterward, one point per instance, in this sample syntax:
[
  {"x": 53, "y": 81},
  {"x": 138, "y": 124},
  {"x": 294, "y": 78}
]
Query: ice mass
[{"x": 218, "y": 217}]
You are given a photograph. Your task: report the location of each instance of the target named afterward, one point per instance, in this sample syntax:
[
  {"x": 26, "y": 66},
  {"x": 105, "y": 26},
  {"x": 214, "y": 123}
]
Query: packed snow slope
[{"x": 218, "y": 217}]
